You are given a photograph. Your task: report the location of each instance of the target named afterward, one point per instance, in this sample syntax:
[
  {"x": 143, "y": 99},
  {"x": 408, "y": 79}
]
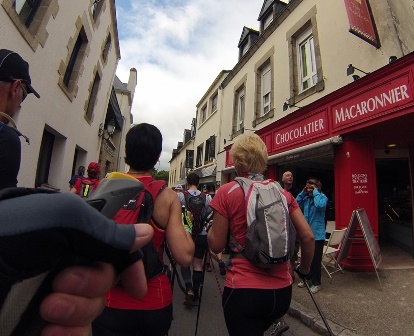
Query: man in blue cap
[{"x": 15, "y": 85}]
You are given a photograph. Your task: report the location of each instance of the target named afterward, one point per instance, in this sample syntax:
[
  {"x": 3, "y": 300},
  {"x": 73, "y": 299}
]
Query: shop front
[{"x": 360, "y": 141}]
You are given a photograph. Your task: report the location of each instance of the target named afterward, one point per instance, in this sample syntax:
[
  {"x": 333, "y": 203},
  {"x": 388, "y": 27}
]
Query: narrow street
[{"x": 211, "y": 319}]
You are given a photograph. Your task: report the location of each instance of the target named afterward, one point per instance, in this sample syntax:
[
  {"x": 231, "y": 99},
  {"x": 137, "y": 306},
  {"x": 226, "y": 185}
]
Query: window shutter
[
  {"x": 189, "y": 158},
  {"x": 212, "y": 153}
]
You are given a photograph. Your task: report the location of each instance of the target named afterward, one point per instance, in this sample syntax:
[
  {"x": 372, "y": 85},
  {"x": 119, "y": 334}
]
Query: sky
[{"x": 178, "y": 48}]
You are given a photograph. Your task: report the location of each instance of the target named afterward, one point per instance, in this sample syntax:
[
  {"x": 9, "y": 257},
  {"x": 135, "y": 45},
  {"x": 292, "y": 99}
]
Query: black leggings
[
  {"x": 123, "y": 322},
  {"x": 250, "y": 312}
]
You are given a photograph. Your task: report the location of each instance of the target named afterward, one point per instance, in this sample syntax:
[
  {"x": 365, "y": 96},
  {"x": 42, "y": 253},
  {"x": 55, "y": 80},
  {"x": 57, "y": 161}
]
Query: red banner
[{"x": 360, "y": 21}]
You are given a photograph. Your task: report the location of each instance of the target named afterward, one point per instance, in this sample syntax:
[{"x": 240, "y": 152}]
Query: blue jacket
[{"x": 313, "y": 208}]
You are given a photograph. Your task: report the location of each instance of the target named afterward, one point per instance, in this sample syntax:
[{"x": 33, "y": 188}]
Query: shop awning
[
  {"x": 311, "y": 151},
  {"x": 206, "y": 171}
]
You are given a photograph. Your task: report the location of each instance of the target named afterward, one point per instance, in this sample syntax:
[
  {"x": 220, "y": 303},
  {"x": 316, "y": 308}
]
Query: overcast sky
[{"x": 178, "y": 48}]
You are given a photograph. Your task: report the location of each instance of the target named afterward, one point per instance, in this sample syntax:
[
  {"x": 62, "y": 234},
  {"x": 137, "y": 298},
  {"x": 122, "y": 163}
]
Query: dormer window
[
  {"x": 245, "y": 48},
  {"x": 267, "y": 21}
]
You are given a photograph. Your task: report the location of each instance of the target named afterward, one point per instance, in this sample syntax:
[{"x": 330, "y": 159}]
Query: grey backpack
[{"x": 270, "y": 238}]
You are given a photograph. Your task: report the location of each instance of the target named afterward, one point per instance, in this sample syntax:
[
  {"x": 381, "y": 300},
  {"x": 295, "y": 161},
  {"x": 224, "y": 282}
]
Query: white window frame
[
  {"x": 214, "y": 102},
  {"x": 267, "y": 21},
  {"x": 240, "y": 108},
  {"x": 307, "y": 61},
  {"x": 266, "y": 89},
  {"x": 203, "y": 114},
  {"x": 245, "y": 47}
]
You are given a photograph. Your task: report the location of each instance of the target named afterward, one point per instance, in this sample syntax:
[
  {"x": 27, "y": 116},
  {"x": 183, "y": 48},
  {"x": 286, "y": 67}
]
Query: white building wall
[
  {"x": 54, "y": 111},
  {"x": 338, "y": 48}
]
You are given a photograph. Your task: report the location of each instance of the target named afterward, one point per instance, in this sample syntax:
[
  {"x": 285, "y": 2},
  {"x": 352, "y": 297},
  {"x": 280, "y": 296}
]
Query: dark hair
[
  {"x": 193, "y": 179},
  {"x": 210, "y": 187},
  {"x": 143, "y": 146},
  {"x": 81, "y": 170}
]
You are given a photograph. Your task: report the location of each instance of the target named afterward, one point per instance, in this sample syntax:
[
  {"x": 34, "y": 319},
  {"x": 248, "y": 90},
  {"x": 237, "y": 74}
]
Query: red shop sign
[
  {"x": 360, "y": 21},
  {"x": 372, "y": 104}
]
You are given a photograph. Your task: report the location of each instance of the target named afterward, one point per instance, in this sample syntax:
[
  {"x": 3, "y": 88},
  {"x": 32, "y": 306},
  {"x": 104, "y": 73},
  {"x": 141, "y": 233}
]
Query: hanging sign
[{"x": 360, "y": 21}]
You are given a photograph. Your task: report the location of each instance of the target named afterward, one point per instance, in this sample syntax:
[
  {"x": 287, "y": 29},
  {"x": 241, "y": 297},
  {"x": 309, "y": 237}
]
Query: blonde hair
[{"x": 249, "y": 154}]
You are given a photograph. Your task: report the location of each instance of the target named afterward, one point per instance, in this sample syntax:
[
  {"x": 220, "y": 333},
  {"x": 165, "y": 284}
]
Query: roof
[{"x": 245, "y": 32}]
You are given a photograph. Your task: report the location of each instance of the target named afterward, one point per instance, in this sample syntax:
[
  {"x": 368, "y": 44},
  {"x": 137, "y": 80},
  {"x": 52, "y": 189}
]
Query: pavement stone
[{"x": 355, "y": 303}]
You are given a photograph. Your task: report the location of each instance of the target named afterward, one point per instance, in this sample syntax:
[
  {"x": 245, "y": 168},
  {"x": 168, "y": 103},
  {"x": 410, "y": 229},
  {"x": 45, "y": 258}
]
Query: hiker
[
  {"x": 152, "y": 314},
  {"x": 313, "y": 203},
  {"x": 194, "y": 281},
  {"x": 77, "y": 296},
  {"x": 86, "y": 185},
  {"x": 74, "y": 178},
  {"x": 253, "y": 297}
]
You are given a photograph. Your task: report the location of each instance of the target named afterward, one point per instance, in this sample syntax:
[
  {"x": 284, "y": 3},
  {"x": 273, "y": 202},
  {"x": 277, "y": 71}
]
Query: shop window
[
  {"x": 93, "y": 97},
  {"x": 199, "y": 160},
  {"x": 30, "y": 17}
]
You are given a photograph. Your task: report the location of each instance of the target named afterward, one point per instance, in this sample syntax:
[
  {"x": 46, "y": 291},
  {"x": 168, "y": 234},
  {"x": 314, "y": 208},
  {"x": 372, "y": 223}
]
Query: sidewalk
[{"x": 356, "y": 304}]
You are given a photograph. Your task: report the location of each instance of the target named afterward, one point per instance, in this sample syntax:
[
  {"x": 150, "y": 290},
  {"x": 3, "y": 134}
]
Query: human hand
[
  {"x": 56, "y": 232},
  {"x": 77, "y": 297},
  {"x": 302, "y": 275}
]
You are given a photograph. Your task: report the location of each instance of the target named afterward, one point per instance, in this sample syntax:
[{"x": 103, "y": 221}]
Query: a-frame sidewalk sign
[{"x": 359, "y": 216}]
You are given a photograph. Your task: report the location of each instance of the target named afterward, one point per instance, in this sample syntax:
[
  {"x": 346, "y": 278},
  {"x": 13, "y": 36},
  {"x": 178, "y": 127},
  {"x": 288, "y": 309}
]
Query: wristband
[{"x": 300, "y": 273}]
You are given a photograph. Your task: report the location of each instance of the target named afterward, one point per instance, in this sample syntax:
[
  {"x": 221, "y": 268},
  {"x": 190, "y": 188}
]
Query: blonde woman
[{"x": 253, "y": 297}]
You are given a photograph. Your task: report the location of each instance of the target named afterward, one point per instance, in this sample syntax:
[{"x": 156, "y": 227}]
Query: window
[
  {"x": 245, "y": 47},
  {"x": 210, "y": 149},
  {"x": 306, "y": 60},
  {"x": 214, "y": 103},
  {"x": 239, "y": 110},
  {"x": 106, "y": 47},
  {"x": 93, "y": 97},
  {"x": 189, "y": 158},
  {"x": 305, "y": 66},
  {"x": 45, "y": 158},
  {"x": 266, "y": 89},
  {"x": 199, "y": 160},
  {"x": 30, "y": 18},
  {"x": 26, "y": 9},
  {"x": 96, "y": 7},
  {"x": 203, "y": 114},
  {"x": 75, "y": 58},
  {"x": 267, "y": 21}
]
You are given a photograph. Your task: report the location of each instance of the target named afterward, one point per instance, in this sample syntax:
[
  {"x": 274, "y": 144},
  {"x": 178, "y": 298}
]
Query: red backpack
[
  {"x": 87, "y": 185},
  {"x": 139, "y": 210}
]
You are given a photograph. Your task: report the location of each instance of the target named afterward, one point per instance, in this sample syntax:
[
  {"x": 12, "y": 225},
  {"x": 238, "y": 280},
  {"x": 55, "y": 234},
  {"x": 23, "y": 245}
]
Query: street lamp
[{"x": 110, "y": 129}]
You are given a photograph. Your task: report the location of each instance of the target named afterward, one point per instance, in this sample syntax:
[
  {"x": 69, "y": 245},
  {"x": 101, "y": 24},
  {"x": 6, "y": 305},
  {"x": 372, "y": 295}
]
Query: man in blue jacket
[{"x": 313, "y": 205}]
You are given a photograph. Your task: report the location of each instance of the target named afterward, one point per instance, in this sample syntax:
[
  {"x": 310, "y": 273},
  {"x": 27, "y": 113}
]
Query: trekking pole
[
  {"x": 201, "y": 290},
  {"x": 319, "y": 309},
  {"x": 215, "y": 273}
]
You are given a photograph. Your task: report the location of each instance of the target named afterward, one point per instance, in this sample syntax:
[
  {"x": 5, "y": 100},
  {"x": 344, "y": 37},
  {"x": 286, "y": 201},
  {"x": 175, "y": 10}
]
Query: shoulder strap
[{"x": 147, "y": 198}]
